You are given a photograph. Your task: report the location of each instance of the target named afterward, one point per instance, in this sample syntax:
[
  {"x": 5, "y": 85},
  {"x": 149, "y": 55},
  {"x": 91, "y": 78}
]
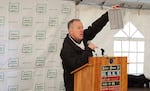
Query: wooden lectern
[{"x": 102, "y": 74}]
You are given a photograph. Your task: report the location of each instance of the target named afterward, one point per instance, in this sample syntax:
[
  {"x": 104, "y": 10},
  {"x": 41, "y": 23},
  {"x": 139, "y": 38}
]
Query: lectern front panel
[
  {"x": 102, "y": 74},
  {"x": 109, "y": 73}
]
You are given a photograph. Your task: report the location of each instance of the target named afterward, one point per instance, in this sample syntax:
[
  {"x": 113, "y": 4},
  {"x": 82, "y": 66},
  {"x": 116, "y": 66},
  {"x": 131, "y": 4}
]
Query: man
[{"x": 76, "y": 48}]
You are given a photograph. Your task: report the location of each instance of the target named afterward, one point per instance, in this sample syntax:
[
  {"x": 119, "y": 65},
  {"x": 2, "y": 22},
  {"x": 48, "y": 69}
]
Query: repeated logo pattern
[{"x": 31, "y": 36}]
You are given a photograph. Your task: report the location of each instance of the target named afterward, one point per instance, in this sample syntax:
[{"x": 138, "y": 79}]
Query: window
[{"x": 130, "y": 42}]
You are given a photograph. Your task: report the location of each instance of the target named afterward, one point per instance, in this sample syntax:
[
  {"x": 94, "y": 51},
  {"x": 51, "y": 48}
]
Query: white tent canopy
[{"x": 132, "y": 4}]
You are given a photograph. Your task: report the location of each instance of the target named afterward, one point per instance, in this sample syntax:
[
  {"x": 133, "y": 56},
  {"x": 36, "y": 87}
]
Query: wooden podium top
[{"x": 80, "y": 68}]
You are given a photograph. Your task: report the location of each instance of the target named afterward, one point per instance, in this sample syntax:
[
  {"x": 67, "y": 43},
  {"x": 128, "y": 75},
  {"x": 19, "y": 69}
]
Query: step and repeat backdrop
[{"x": 31, "y": 36}]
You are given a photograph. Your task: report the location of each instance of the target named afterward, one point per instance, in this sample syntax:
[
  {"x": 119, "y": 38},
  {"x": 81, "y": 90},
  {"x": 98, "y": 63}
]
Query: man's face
[{"x": 76, "y": 30}]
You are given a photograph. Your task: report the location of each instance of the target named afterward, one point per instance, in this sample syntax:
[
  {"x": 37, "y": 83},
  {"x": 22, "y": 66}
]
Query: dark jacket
[{"x": 73, "y": 56}]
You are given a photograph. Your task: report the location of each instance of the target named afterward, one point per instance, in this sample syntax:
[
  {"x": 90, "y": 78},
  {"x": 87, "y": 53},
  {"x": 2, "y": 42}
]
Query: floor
[{"x": 138, "y": 89}]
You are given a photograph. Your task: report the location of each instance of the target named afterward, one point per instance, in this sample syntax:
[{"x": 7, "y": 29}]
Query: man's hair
[{"x": 71, "y": 21}]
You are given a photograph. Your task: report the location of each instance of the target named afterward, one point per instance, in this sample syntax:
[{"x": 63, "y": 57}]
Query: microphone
[
  {"x": 102, "y": 51},
  {"x": 95, "y": 54}
]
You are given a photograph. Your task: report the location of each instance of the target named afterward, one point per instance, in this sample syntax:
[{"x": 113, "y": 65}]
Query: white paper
[{"x": 115, "y": 18}]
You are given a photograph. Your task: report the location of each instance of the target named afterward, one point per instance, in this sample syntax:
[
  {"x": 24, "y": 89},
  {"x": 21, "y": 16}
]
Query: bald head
[{"x": 72, "y": 21}]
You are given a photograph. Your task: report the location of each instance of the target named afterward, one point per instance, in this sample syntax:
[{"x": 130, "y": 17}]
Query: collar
[
  {"x": 78, "y": 42},
  {"x": 81, "y": 44}
]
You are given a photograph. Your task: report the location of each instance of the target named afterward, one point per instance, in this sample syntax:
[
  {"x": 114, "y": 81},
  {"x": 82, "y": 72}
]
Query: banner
[{"x": 31, "y": 36}]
